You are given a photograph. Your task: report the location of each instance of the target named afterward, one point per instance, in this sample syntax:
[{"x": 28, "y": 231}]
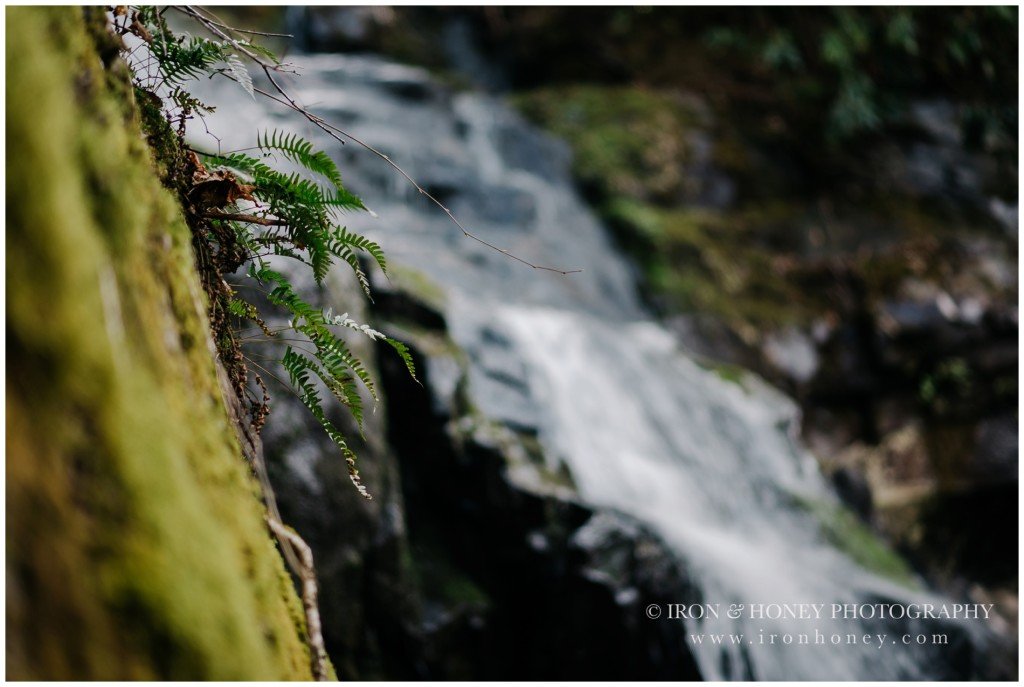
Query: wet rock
[
  {"x": 515, "y": 564},
  {"x": 793, "y": 353},
  {"x": 1007, "y": 214},
  {"x": 499, "y": 375},
  {"x": 510, "y": 208},
  {"x": 996, "y": 450},
  {"x": 529, "y": 149}
]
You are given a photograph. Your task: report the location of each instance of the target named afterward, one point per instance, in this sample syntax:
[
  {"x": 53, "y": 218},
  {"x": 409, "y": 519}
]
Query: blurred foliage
[
  {"x": 856, "y": 67},
  {"x": 865, "y": 63}
]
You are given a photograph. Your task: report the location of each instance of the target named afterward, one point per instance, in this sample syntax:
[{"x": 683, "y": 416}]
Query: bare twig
[
  {"x": 250, "y": 32},
  {"x": 284, "y": 98},
  {"x": 241, "y": 217},
  {"x": 284, "y": 385}
]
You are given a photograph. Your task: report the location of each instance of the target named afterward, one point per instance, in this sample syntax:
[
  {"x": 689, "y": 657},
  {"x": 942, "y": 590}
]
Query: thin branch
[
  {"x": 340, "y": 135},
  {"x": 253, "y": 357},
  {"x": 246, "y": 31},
  {"x": 248, "y": 219},
  {"x": 277, "y": 379}
]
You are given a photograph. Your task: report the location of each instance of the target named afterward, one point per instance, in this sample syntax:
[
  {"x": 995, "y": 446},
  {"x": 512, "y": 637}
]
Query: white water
[
  {"x": 710, "y": 465},
  {"x": 713, "y": 468}
]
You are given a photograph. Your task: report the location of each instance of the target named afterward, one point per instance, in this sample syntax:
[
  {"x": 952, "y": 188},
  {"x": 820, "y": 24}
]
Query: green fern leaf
[
  {"x": 301, "y": 152},
  {"x": 299, "y": 368},
  {"x": 341, "y": 237},
  {"x": 403, "y": 353}
]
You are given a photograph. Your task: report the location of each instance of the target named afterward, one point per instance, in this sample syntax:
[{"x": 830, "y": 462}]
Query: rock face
[
  {"x": 136, "y": 540},
  {"x": 924, "y": 388}
]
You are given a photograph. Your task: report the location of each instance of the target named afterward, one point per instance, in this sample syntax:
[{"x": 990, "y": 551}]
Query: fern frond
[
  {"x": 241, "y": 309},
  {"x": 319, "y": 260},
  {"x": 344, "y": 320},
  {"x": 239, "y": 73},
  {"x": 301, "y": 152},
  {"x": 245, "y": 310},
  {"x": 299, "y": 368},
  {"x": 337, "y": 358},
  {"x": 346, "y": 254},
  {"x": 283, "y": 294},
  {"x": 341, "y": 237},
  {"x": 403, "y": 353},
  {"x": 343, "y": 200},
  {"x": 185, "y": 57},
  {"x": 331, "y": 351},
  {"x": 295, "y": 216}
]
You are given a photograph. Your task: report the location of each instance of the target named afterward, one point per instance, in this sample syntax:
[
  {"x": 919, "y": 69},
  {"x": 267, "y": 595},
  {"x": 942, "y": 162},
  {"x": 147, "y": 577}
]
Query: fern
[
  {"x": 346, "y": 254},
  {"x": 403, "y": 353},
  {"x": 184, "y": 58},
  {"x": 299, "y": 367},
  {"x": 300, "y": 151},
  {"x": 341, "y": 239},
  {"x": 265, "y": 212},
  {"x": 239, "y": 73},
  {"x": 304, "y": 207}
]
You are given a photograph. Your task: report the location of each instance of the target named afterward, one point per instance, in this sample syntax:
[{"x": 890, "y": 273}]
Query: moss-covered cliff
[{"x": 136, "y": 545}]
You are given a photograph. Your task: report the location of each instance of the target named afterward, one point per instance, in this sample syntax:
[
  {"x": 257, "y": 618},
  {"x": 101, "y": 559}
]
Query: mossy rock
[
  {"x": 136, "y": 545},
  {"x": 841, "y": 527},
  {"x": 628, "y": 142}
]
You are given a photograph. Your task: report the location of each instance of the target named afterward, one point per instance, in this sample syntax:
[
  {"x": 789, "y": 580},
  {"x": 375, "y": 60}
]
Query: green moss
[
  {"x": 137, "y": 547},
  {"x": 767, "y": 263},
  {"x": 845, "y": 531},
  {"x": 627, "y": 142},
  {"x": 419, "y": 285},
  {"x": 727, "y": 372},
  {"x": 631, "y": 150},
  {"x": 721, "y": 263}
]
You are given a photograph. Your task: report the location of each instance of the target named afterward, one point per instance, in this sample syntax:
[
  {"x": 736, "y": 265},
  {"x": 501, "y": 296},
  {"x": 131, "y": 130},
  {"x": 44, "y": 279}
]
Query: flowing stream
[{"x": 713, "y": 466}]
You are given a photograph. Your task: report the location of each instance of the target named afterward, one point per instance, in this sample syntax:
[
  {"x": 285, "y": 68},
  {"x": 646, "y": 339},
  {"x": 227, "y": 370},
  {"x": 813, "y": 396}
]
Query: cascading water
[{"x": 710, "y": 465}]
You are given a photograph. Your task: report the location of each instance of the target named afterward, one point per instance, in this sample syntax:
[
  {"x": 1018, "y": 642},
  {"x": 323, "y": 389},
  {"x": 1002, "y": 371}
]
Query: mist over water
[{"x": 713, "y": 466}]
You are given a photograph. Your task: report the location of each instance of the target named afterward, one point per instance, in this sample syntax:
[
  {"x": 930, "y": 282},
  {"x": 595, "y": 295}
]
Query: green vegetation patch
[
  {"x": 772, "y": 259},
  {"x": 630, "y": 150},
  {"x": 627, "y": 141},
  {"x": 841, "y": 527}
]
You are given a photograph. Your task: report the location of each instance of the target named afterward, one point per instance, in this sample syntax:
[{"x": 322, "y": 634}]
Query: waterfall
[{"x": 713, "y": 466}]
